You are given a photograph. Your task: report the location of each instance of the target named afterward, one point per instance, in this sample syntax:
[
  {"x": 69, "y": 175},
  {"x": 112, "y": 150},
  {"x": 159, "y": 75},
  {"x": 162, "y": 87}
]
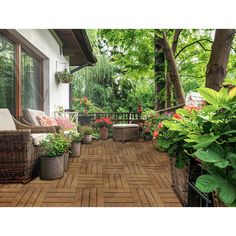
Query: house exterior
[{"x": 29, "y": 59}]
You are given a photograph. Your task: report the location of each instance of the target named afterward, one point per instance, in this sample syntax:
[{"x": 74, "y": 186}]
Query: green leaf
[
  {"x": 232, "y": 158},
  {"x": 208, "y": 155},
  {"x": 207, "y": 183},
  {"x": 203, "y": 141},
  {"x": 222, "y": 164},
  {"x": 226, "y": 193},
  {"x": 232, "y": 93},
  {"x": 232, "y": 175}
]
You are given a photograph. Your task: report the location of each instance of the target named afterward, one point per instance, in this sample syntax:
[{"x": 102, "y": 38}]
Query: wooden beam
[{"x": 18, "y": 81}]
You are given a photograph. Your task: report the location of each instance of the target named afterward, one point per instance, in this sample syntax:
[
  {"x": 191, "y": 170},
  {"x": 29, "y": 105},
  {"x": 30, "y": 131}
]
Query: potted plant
[
  {"x": 76, "y": 138},
  {"x": 64, "y": 76},
  {"x": 84, "y": 119},
  {"x": 52, "y": 161},
  {"x": 103, "y": 124},
  {"x": 87, "y": 131}
]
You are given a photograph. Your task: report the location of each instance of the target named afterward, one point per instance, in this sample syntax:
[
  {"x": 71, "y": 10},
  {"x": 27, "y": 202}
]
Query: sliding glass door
[{"x": 30, "y": 82}]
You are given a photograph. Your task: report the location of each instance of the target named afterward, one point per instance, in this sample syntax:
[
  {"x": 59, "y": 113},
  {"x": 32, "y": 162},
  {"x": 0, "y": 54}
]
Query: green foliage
[
  {"x": 75, "y": 136},
  {"x": 209, "y": 135},
  {"x": 55, "y": 145},
  {"x": 64, "y": 76},
  {"x": 86, "y": 130}
]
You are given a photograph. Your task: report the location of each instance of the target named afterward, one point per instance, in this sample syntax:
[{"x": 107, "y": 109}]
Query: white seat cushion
[
  {"x": 6, "y": 120},
  {"x": 31, "y": 116},
  {"x": 37, "y": 138},
  {"x": 123, "y": 126}
]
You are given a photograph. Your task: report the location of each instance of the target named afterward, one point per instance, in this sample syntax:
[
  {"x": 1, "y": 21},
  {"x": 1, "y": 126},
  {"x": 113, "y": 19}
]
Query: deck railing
[{"x": 117, "y": 117}]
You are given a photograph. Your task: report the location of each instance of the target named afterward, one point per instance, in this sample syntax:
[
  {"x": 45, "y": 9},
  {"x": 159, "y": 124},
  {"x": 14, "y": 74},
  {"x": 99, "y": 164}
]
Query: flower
[
  {"x": 160, "y": 125},
  {"x": 155, "y": 134},
  {"x": 103, "y": 122},
  {"x": 139, "y": 108},
  {"x": 177, "y": 116}
]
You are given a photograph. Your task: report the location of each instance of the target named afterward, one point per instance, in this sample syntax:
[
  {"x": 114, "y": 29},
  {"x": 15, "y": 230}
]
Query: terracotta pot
[
  {"x": 87, "y": 138},
  {"x": 75, "y": 149},
  {"x": 66, "y": 161},
  {"x": 103, "y": 133}
]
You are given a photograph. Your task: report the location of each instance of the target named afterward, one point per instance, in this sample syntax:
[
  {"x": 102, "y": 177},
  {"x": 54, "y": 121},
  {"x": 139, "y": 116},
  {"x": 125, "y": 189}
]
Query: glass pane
[
  {"x": 30, "y": 82},
  {"x": 7, "y": 75}
]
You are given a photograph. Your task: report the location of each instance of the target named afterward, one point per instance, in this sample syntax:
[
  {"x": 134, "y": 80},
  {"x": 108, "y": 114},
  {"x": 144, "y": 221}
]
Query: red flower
[
  {"x": 155, "y": 134},
  {"x": 177, "y": 116},
  {"x": 160, "y": 125}
]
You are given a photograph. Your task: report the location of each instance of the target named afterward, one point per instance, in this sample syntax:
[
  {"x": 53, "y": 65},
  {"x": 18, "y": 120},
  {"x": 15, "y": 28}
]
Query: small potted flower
[
  {"x": 103, "y": 124},
  {"x": 87, "y": 131},
  {"x": 76, "y": 138},
  {"x": 64, "y": 76}
]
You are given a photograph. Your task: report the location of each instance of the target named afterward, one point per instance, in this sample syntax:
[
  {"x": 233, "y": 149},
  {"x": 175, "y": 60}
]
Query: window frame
[{"x": 21, "y": 44}]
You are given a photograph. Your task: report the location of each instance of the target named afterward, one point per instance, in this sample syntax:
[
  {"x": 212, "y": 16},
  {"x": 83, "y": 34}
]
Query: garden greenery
[{"x": 209, "y": 135}]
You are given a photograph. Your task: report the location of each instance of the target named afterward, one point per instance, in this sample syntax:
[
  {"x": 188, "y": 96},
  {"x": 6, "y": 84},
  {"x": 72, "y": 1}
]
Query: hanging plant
[{"x": 64, "y": 77}]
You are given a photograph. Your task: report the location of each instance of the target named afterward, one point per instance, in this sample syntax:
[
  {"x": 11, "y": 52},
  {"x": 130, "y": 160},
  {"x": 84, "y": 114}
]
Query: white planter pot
[{"x": 87, "y": 138}]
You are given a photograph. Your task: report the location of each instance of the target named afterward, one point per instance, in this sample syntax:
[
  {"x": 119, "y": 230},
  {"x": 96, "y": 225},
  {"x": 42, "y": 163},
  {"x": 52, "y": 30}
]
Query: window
[
  {"x": 21, "y": 66},
  {"x": 30, "y": 82},
  {"x": 7, "y": 74}
]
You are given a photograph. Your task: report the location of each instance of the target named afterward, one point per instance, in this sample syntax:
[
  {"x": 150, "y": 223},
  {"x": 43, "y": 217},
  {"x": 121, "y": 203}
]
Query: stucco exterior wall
[{"x": 55, "y": 94}]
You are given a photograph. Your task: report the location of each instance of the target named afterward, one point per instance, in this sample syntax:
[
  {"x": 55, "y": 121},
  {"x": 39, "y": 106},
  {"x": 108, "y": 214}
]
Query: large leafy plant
[{"x": 208, "y": 134}]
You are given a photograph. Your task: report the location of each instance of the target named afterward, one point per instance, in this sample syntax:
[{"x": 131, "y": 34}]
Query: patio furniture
[
  {"x": 19, "y": 148},
  {"x": 125, "y": 132}
]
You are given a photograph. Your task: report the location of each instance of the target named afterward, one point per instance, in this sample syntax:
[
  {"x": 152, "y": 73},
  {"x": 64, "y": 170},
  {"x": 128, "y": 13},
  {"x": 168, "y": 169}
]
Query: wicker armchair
[{"x": 19, "y": 156}]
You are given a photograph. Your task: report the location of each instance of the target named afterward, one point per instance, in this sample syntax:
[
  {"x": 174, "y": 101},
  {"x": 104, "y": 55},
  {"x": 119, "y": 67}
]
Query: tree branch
[{"x": 197, "y": 41}]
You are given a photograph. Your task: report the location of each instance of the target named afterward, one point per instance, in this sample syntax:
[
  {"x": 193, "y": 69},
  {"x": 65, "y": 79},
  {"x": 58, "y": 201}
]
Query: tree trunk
[
  {"x": 173, "y": 71},
  {"x": 168, "y": 79},
  {"x": 159, "y": 73},
  {"x": 217, "y": 65}
]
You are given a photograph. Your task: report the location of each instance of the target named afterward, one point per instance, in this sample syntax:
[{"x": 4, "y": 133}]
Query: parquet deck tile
[{"x": 107, "y": 174}]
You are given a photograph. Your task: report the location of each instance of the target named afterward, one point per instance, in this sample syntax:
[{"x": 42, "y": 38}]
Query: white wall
[{"x": 45, "y": 42}]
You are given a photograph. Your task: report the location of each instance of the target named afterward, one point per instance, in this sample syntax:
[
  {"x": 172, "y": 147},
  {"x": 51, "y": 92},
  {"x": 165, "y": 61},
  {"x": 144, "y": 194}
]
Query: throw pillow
[
  {"x": 65, "y": 123},
  {"x": 46, "y": 121}
]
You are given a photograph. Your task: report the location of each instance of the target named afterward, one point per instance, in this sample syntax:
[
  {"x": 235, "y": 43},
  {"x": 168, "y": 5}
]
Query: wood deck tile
[{"x": 107, "y": 174}]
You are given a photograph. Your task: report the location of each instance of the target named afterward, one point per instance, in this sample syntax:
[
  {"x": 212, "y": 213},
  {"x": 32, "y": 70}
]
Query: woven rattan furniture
[
  {"x": 125, "y": 132},
  {"x": 19, "y": 149}
]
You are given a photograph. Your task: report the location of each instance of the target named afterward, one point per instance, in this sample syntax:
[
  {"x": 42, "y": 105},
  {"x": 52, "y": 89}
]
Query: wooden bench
[{"x": 125, "y": 132}]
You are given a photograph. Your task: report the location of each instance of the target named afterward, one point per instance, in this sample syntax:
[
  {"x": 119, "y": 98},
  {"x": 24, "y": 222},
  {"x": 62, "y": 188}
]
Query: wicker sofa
[{"x": 19, "y": 148}]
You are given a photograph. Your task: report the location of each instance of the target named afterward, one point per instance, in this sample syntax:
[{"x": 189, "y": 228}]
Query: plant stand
[
  {"x": 51, "y": 167},
  {"x": 85, "y": 119}
]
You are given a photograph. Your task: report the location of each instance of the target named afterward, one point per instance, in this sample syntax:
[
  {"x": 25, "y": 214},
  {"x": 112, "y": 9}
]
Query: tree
[
  {"x": 173, "y": 71},
  {"x": 217, "y": 65},
  {"x": 159, "y": 73}
]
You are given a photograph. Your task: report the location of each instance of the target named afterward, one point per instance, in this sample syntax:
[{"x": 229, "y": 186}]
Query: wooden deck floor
[{"x": 107, "y": 174}]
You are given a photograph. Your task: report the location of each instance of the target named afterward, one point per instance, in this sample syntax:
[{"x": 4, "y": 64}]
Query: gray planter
[
  {"x": 51, "y": 167},
  {"x": 87, "y": 138},
  {"x": 75, "y": 149},
  {"x": 66, "y": 161}
]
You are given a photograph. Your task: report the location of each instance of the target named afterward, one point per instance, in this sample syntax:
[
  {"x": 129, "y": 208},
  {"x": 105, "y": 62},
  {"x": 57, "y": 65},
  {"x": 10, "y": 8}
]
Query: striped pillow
[
  {"x": 65, "y": 123},
  {"x": 46, "y": 121}
]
